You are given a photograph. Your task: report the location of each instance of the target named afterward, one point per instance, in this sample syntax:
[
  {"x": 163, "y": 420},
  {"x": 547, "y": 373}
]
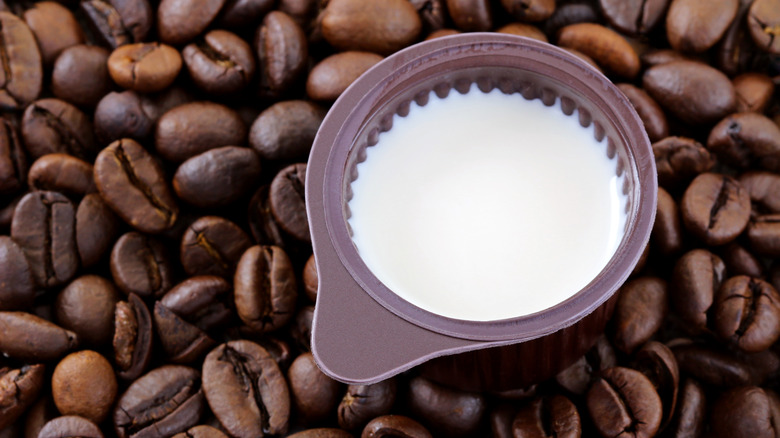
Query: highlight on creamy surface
[{"x": 470, "y": 206}]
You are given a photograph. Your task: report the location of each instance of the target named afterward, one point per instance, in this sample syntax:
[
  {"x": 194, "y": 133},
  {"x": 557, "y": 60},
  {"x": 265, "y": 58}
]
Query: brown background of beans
[{"x": 156, "y": 275}]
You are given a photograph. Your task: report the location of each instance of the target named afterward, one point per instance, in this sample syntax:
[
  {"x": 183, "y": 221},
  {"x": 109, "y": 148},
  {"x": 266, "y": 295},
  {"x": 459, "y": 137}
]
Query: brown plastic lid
[{"x": 362, "y": 332}]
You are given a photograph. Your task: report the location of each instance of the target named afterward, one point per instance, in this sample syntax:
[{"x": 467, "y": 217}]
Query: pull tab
[{"x": 357, "y": 341}]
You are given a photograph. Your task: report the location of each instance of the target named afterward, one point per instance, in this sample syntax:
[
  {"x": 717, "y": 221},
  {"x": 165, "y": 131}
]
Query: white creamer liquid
[{"x": 486, "y": 206}]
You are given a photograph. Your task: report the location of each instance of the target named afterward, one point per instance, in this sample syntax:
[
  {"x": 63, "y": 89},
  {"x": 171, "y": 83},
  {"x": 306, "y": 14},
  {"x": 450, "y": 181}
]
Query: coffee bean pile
[{"x": 156, "y": 276}]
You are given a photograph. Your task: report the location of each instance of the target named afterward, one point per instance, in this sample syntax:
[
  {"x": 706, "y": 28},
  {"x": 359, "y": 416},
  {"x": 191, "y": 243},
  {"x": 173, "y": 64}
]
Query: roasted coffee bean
[
  {"x": 55, "y": 29},
  {"x": 180, "y": 21},
  {"x": 144, "y": 67},
  {"x": 433, "y": 13},
  {"x": 655, "y": 57},
  {"x": 651, "y": 114},
  {"x": 715, "y": 208},
  {"x": 261, "y": 221},
  {"x": 202, "y": 431},
  {"x": 639, "y": 312},
  {"x": 18, "y": 288},
  {"x": 7, "y": 211},
  {"x": 217, "y": 177},
  {"x": 44, "y": 228},
  {"x": 310, "y": 279},
  {"x": 84, "y": 384},
  {"x": 140, "y": 265},
  {"x": 201, "y": 301},
  {"x": 739, "y": 261},
  {"x": 23, "y": 72},
  {"x": 265, "y": 288},
  {"x": 530, "y": 11},
  {"x": 570, "y": 13},
  {"x": 31, "y": 338},
  {"x": 578, "y": 376},
  {"x": 691, "y": 91},
  {"x": 362, "y": 403},
  {"x": 743, "y": 413},
  {"x": 62, "y": 173},
  {"x": 382, "y": 27},
  {"x": 119, "y": 22},
  {"x": 746, "y": 313},
  {"x": 545, "y": 416},
  {"x": 624, "y": 401},
  {"x": 747, "y": 139},
  {"x": 388, "y": 426},
  {"x": 679, "y": 159},
  {"x": 52, "y": 125},
  {"x": 301, "y": 328},
  {"x": 86, "y": 307},
  {"x": 736, "y": 52},
  {"x": 657, "y": 362},
  {"x": 287, "y": 201},
  {"x": 763, "y": 233},
  {"x": 132, "y": 337},
  {"x": 754, "y": 91},
  {"x": 221, "y": 64},
  {"x": 694, "y": 27},
  {"x": 691, "y": 410},
  {"x": 315, "y": 396},
  {"x": 163, "y": 402},
  {"x": 453, "y": 413},
  {"x": 764, "y": 24},
  {"x": 193, "y": 128},
  {"x": 19, "y": 388},
  {"x": 523, "y": 30},
  {"x": 80, "y": 75},
  {"x": 13, "y": 162},
  {"x": 635, "y": 16},
  {"x": 246, "y": 390},
  {"x": 764, "y": 189},
  {"x": 181, "y": 341},
  {"x": 667, "y": 231},
  {"x": 281, "y": 52},
  {"x": 213, "y": 246},
  {"x": 243, "y": 13},
  {"x": 286, "y": 130},
  {"x": 712, "y": 366},
  {"x": 471, "y": 15},
  {"x": 96, "y": 229},
  {"x": 697, "y": 276},
  {"x": 70, "y": 426},
  {"x": 122, "y": 115},
  {"x": 132, "y": 183},
  {"x": 608, "y": 48},
  {"x": 328, "y": 79}
]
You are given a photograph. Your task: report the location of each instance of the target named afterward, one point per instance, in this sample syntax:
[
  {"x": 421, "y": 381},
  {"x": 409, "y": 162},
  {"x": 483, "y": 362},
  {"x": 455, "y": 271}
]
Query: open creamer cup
[{"x": 362, "y": 331}]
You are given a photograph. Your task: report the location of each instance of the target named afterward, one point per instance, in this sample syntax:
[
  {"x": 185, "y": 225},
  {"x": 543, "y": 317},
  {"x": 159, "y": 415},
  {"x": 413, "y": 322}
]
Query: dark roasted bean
[
  {"x": 132, "y": 183},
  {"x": 286, "y": 130},
  {"x": 140, "y": 265},
  {"x": 213, "y": 246},
  {"x": 44, "y": 228},
  {"x": 246, "y": 390},
  {"x": 265, "y": 288},
  {"x": 163, "y": 402},
  {"x": 52, "y": 126}
]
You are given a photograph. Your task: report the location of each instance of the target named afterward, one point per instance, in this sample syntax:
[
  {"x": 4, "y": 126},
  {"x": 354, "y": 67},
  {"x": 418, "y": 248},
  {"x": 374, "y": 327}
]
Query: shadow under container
[{"x": 362, "y": 332}]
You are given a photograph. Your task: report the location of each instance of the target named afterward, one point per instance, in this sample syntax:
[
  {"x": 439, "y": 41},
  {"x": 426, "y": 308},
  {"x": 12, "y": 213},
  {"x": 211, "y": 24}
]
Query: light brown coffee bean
[
  {"x": 331, "y": 76},
  {"x": 381, "y": 27},
  {"x": 607, "y": 47},
  {"x": 692, "y": 26}
]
